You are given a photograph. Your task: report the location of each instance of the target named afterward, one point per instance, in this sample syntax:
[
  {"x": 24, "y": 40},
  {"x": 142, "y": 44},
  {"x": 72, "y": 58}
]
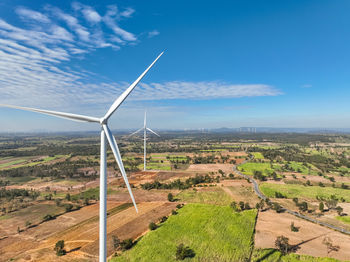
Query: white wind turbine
[
  {"x": 105, "y": 133},
  {"x": 144, "y": 128}
]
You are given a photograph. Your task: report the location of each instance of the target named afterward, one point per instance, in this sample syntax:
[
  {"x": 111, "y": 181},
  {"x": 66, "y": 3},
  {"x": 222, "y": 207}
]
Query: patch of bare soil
[
  {"x": 227, "y": 168},
  {"x": 240, "y": 190},
  {"x": 132, "y": 229},
  {"x": 141, "y": 195},
  {"x": 309, "y": 239}
]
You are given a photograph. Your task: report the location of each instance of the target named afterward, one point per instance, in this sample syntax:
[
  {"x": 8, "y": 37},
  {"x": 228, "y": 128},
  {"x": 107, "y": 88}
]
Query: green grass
[
  {"x": 250, "y": 167},
  {"x": 156, "y": 166},
  {"x": 15, "y": 162},
  {"x": 228, "y": 237},
  {"x": 298, "y": 166},
  {"x": 257, "y": 155},
  {"x": 292, "y": 190},
  {"x": 213, "y": 150},
  {"x": 344, "y": 219},
  {"x": 272, "y": 255},
  {"x": 215, "y": 196}
]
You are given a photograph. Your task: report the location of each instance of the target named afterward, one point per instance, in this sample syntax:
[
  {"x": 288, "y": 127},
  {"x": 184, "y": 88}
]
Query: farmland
[
  {"x": 50, "y": 192},
  {"x": 193, "y": 226}
]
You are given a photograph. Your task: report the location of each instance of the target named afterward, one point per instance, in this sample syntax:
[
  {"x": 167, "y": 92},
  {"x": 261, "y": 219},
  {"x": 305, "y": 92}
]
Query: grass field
[
  {"x": 215, "y": 196},
  {"x": 249, "y": 168},
  {"x": 257, "y": 155},
  {"x": 345, "y": 219},
  {"x": 228, "y": 237},
  {"x": 291, "y": 190},
  {"x": 272, "y": 255}
]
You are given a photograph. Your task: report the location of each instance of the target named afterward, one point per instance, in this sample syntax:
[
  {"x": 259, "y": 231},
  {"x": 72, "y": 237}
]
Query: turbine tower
[
  {"x": 105, "y": 133},
  {"x": 144, "y": 128}
]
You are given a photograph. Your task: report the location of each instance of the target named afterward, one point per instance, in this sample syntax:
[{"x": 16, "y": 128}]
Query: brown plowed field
[{"x": 270, "y": 225}]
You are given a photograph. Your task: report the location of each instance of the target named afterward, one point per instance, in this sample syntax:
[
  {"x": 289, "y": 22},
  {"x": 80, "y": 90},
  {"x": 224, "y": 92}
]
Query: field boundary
[{"x": 262, "y": 196}]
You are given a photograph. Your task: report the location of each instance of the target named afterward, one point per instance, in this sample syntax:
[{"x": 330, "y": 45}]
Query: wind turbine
[
  {"x": 105, "y": 133},
  {"x": 144, "y": 128}
]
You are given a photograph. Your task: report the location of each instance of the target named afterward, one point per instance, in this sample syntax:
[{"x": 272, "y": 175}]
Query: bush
[
  {"x": 183, "y": 252},
  {"x": 173, "y": 212},
  {"x": 163, "y": 219},
  {"x": 152, "y": 226},
  {"x": 321, "y": 206},
  {"x": 279, "y": 195},
  {"x": 126, "y": 244},
  {"x": 293, "y": 228},
  {"x": 170, "y": 197},
  {"x": 59, "y": 248},
  {"x": 68, "y": 207},
  {"x": 48, "y": 217},
  {"x": 282, "y": 244}
]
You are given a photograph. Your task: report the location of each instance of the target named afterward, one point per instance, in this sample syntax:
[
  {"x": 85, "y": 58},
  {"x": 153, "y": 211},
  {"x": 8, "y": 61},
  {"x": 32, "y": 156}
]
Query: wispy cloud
[
  {"x": 153, "y": 33},
  {"x": 25, "y": 13},
  {"x": 35, "y": 71}
]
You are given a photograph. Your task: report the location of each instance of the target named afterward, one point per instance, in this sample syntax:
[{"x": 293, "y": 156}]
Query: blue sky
[{"x": 226, "y": 63}]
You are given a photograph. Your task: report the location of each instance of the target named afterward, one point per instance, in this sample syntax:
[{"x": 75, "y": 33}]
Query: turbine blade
[
  {"x": 152, "y": 131},
  {"x": 144, "y": 120},
  {"x": 74, "y": 117},
  {"x": 136, "y": 132},
  {"x": 123, "y": 96},
  {"x": 118, "y": 158}
]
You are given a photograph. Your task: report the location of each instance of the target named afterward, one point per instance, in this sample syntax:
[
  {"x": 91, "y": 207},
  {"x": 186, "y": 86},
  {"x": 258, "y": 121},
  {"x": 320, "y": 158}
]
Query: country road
[{"x": 262, "y": 196}]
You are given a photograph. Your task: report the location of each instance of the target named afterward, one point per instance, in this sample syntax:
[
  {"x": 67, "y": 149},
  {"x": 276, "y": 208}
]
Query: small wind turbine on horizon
[
  {"x": 144, "y": 128},
  {"x": 105, "y": 133}
]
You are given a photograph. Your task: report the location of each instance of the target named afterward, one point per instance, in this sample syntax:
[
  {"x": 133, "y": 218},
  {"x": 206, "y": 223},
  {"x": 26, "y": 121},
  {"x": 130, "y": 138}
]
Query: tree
[
  {"x": 126, "y": 244},
  {"x": 68, "y": 197},
  {"x": 170, "y": 197},
  {"x": 303, "y": 206},
  {"x": 339, "y": 210},
  {"x": 321, "y": 206},
  {"x": 282, "y": 244},
  {"x": 59, "y": 248},
  {"x": 152, "y": 226},
  {"x": 183, "y": 252},
  {"x": 235, "y": 207},
  {"x": 68, "y": 207},
  {"x": 116, "y": 242},
  {"x": 293, "y": 228},
  {"x": 28, "y": 224}
]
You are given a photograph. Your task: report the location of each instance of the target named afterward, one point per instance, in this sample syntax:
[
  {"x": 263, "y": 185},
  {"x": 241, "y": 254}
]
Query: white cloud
[
  {"x": 30, "y": 14},
  {"x": 153, "y": 33},
  {"x": 110, "y": 20}
]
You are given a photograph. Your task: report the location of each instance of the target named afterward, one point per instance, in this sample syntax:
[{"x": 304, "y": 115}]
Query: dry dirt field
[
  {"x": 270, "y": 225},
  {"x": 79, "y": 229},
  {"x": 227, "y": 168}
]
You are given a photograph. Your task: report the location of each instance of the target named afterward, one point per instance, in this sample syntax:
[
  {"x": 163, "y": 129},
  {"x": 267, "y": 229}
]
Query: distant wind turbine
[
  {"x": 144, "y": 128},
  {"x": 105, "y": 132}
]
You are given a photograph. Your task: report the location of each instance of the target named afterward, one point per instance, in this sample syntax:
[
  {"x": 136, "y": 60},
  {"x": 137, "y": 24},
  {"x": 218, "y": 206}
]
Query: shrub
[
  {"x": 282, "y": 244},
  {"x": 68, "y": 207},
  {"x": 59, "y": 248},
  {"x": 152, "y": 226},
  {"x": 126, "y": 244},
  {"x": 321, "y": 206},
  {"x": 279, "y": 195},
  {"x": 170, "y": 197},
  {"x": 116, "y": 242},
  {"x": 163, "y": 219},
  {"x": 183, "y": 252},
  {"x": 173, "y": 212},
  {"x": 293, "y": 228},
  {"x": 48, "y": 217}
]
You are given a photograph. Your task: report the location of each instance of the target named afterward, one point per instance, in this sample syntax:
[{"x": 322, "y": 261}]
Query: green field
[
  {"x": 344, "y": 219},
  {"x": 228, "y": 237},
  {"x": 291, "y": 191},
  {"x": 249, "y": 168},
  {"x": 215, "y": 196},
  {"x": 257, "y": 155},
  {"x": 14, "y": 162},
  {"x": 300, "y": 168},
  {"x": 272, "y": 255}
]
